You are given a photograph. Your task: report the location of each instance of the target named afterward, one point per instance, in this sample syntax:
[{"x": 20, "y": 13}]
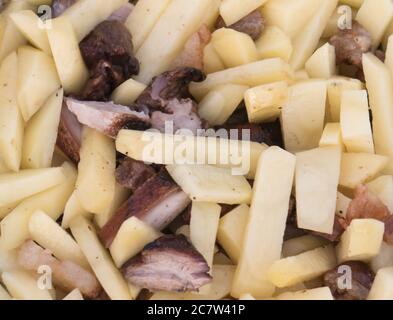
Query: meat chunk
[
  {"x": 107, "y": 117},
  {"x": 132, "y": 174},
  {"x": 388, "y": 236},
  {"x": 66, "y": 274},
  {"x": 170, "y": 263},
  {"x": 350, "y": 44},
  {"x": 351, "y": 280},
  {"x": 252, "y": 24},
  {"x": 59, "y": 6},
  {"x": 157, "y": 202}
]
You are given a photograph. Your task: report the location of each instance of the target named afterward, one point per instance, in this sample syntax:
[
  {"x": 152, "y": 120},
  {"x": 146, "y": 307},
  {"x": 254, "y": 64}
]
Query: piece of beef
[
  {"x": 132, "y": 174},
  {"x": 59, "y": 6},
  {"x": 388, "y": 235},
  {"x": 170, "y": 263}
]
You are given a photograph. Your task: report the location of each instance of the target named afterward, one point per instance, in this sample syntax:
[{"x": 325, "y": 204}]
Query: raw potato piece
[
  {"x": 73, "y": 208},
  {"x": 384, "y": 258},
  {"x": 296, "y": 246},
  {"x": 128, "y": 92},
  {"x": 211, "y": 60},
  {"x": 331, "y": 136},
  {"x": 382, "y": 288},
  {"x": 383, "y": 188},
  {"x": 74, "y": 295},
  {"x": 37, "y": 80},
  {"x": 342, "y": 205},
  {"x": 303, "y": 267},
  {"x": 317, "y": 174},
  {"x": 274, "y": 43},
  {"x": 233, "y": 10},
  {"x": 41, "y": 134},
  {"x": 264, "y": 232},
  {"x": 72, "y": 70},
  {"x": 361, "y": 241},
  {"x": 4, "y": 295},
  {"x": 322, "y": 64},
  {"x": 11, "y": 121},
  {"x": 323, "y": 293},
  {"x": 353, "y": 3},
  {"x": 95, "y": 185},
  {"x": 205, "y": 183},
  {"x": 355, "y": 122}
]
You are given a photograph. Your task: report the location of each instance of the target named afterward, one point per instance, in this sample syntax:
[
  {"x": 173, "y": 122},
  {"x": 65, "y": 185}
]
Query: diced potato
[
  {"x": 382, "y": 288},
  {"x": 131, "y": 238},
  {"x": 184, "y": 230},
  {"x": 220, "y": 103},
  {"x": 167, "y": 38},
  {"x": 64, "y": 44},
  {"x": 342, "y": 205},
  {"x": 303, "y": 267},
  {"x": 353, "y": 3},
  {"x": 95, "y": 185},
  {"x": 264, "y": 232},
  {"x": 264, "y": 103},
  {"x": 4, "y": 295},
  {"x": 317, "y": 173},
  {"x": 246, "y": 296},
  {"x": 384, "y": 258},
  {"x": 41, "y": 134},
  {"x": 37, "y": 80},
  {"x": 361, "y": 241},
  {"x": 73, "y": 208},
  {"x": 305, "y": 42},
  {"x": 128, "y": 92},
  {"x": 303, "y": 115},
  {"x": 3, "y": 167},
  {"x": 296, "y": 246},
  {"x": 11, "y": 121},
  {"x": 322, "y": 64},
  {"x": 358, "y": 168},
  {"x": 31, "y": 26},
  {"x": 383, "y": 188},
  {"x": 388, "y": 33},
  {"x": 74, "y": 295},
  {"x": 389, "y": 53},
  {"x": 332, "y": 26},
  {"x": 331, "y": 136},
  {"x": 211, "y": 184},
  {"x": 252, "y": 75},
  {"x": 301, "y": 75},
  {"x": 99, "y": 259},
  {"x": 212, "y": 14},
  {"x": 233, "y": 47},
  {"x": 4, "y": 210},
  {"x": 323, "y": 293},
  {"x": 232, "y": 10},
  {"x": 22, "y": 286},
  {"x": 274, "y": 43},
  {"x": 231, "y": 231},
  {"x": 211, "y": 60}
]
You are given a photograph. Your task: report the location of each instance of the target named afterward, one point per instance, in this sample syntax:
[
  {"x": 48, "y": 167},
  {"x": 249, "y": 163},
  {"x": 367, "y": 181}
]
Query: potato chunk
[
  {"x": 296, "y": 246},
  {"x": 233, "y": 10},
  {"x": 382, "y": 288},
  {"x": 383, "y": 188},
  {"x": 211, "y": 60},
  {"x": 274, "y": 43},
  {"x": 128, "y": 92},
  {"x": 323, "y": 293},
  {"x": 332, "y": 137},
  {"x": 322, "y": 64}
]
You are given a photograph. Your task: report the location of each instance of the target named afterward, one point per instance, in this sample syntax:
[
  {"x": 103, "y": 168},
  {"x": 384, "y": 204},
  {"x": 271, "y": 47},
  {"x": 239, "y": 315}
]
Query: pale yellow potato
[
  {"x": 128, "y": 92},
  {"x": 211, "y": 60},
  {"x": 4, "y": 295},
  {"x": 274, "y": 43},
  {"x": 353, "y": 3},
  {"x": 264, "y": 232},
  {"x": 212, "y": 14},
  {"x": 11, "y": 121},
  {"x": 303, "y": 267},
  {"x": 8, "y": 260},
  {"x": 203, "y": 183},
  {"x": 99, "y": 259},
  {"x": 14, "y": 227},
  {"x": 167, "y": 38},
  {"x": 131, "y": 238},
  {"x": 331, "y": 136},
  {"x": 388, "y": 33},
  {"x": 358, "y": 168},
  {"x": 361, "y": 241},
  {"x": 95, "y": 186},
  {"x": 246, "y": 296},
  {"x": 64, "y": 44},
  {"x": 264, "y": 103},
  {"x": 332, "y": 26},
  {"x": 301, "y": 75},
  {"x": 322, "y": 64},
  {"x": 383, "y": 188},
  {"x": 40, "y": 2},
  {"x": 22, "y": 286},
  {"x": 233, "y": 10},
  {"x": 220, "y": 103},
  {"x": 184, "y": 230},
  {"x": 306, "y": 41},
  {"x": 32, "y": 28},
  {"x": 382, "y": 287},
  {"x": 41, "y": 134},
  {"x": 222, "y": 259},
  {"x": 303, "y": 116},
  {"x": 342, "y": 205},
  {"x": 73, "y": 208},
  {"x": 383, "y": 259},
  {"x": 4, "y": 210},
  {"x": 49, "y": 235},
  {"x": 37, "y": 80},
  {"x": 3, "y": 167},
  {"x": 74, "y": 295},
  {"x": 319, "y": 294},
  {"x": 389, "y": 54},
  {"x": 296, "y": 246},
  {"x": 231, "y": 231}
]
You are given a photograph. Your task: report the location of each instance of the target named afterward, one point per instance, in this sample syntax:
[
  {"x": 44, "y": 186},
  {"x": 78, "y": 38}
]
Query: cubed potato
[
  {"x": 231, "y": 231},
  {"x": 131, "y": 238},
  {"x": 212, "y": 14},
  {"x": 358, "y": 168},
  {"x": 274, "y": 43},
  {"x": 342, "y": 205},
  {"x": 205, "y": 183},
  {"x": 383, "y": 188},
  {"x": 296, "y": 246},
  {"x": 361, "y": 241},
  {"x": 264, "y": 103},
  {"x": 95, "y": 185},
  {"x": 246, "y": 296},
  {"x": 355, "y": 122},
  {"x": 4, "y": 295},
  {"x": 322, "y": 64},
  {"x": 353, "y": 3},
  {"x": 220, "y": 103},
  {"x": 382, "y": 288},
  {"x": 317, "y": 173},
  {"x": 128, "y": 92},
  {"x": 41, "y": 134},
  {"x": 73, "y": 208},
  {"x": 4, "y": 210},
  {"x": 388, "y": 33},
  {"x": 37, "y": 80},
  {"x": 303, "y": 267},
  {"x": 8, "y": 260},
  {"x": 211, "y": 60},
  {"x": 233, "y": 47},
  {"x": 264, "y": 232},
  {"x": 383, "y": 259},
  {"x": 74, "y": 295},
  {"x": 184, "y": 230},
  {"x": 303, "y": 115},
  {"x": 233, "y": 10},
  {"x": 319, "y": 294},
  {"x": 331, "y": 136},
  {"x": 301, "y": 75},
  {"x": 389, "y": 53}
]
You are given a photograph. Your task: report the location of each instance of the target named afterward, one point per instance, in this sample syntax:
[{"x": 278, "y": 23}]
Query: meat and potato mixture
[{"x": 196, "y": 149}]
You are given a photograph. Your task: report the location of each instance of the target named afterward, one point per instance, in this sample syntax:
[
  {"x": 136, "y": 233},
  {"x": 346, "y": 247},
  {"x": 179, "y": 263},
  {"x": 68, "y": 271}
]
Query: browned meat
[
  {"x": 122, "y": 13},
  {"x": 350, "y": 44},
  {"x": 59, "y": 6},
  {"x": 157, "y": 202},
  {"x": 170, "y": 263},
  {"x": 388, "y": 236},
  {"x": 107, "y": 117},
  {"x": 66, "y": 274},
  {"x": 132, "y": 174},
  {"x": 69, "y": 134},
  {"x": 252, "y": 24},
  {"x": 353, "y": 285},
  {"x": 339, "y": 227},
  {"x": 192, "y": 54}
]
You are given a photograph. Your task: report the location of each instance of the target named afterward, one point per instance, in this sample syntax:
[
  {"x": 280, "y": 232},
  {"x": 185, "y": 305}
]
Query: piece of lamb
[{"x": 132, "y": 174}]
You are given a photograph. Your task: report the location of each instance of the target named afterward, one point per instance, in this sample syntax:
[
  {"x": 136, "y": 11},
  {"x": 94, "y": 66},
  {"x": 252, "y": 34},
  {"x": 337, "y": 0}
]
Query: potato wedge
[
  {"x": 232, "y": 10},
  {"x": 322, "y": 64},
  {"x": 4, "y": 295},
  {"x": 74, "y": 295},
  {"x": 331, "y": 136},
  {"x": 8, "y": 260},
  {"x": 296, "y": 246},
  {"x": 384, "y": 258},
  {"x": 383, "y": 188},
  {"x": 274, "y": 43},
  {"x": 73, "y": 208},
  {"x": 128, "y": 92},
  {"x": 319, "y": 294},
  {"x": 382, "y": 285}
]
